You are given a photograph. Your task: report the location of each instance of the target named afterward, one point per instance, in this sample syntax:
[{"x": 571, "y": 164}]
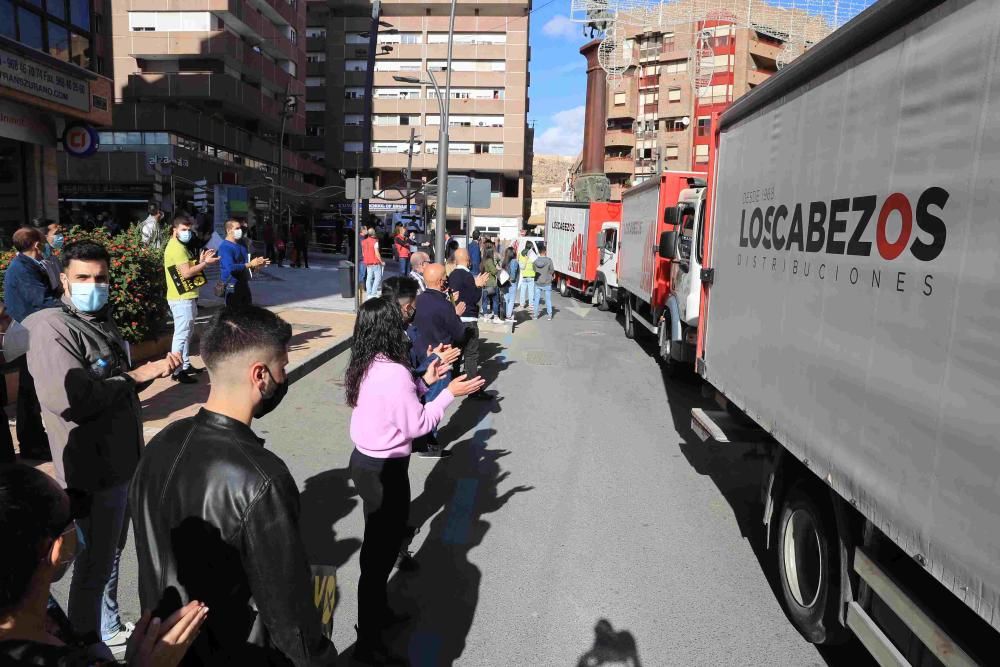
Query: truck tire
[
  {"x": 808, "y": 563},
  {"x": 629, "y": 321},
  {"x": 563, "y": 288},
  {"x": 671, "y": 367},
  {"x": 601, "y": 298}
]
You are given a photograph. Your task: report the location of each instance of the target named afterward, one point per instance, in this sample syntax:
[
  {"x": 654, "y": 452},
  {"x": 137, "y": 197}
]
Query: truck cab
[
  {"x": 679, "y": 337},
  {"x": 607, "y": 267}
]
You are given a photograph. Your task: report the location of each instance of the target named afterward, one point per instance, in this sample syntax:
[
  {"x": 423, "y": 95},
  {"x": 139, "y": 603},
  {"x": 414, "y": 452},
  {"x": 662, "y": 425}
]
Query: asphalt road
[{"x": 578, "y": 494}]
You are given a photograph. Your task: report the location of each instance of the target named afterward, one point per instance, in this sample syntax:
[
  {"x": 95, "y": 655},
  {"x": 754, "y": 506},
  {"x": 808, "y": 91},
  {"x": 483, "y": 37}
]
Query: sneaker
[
  {"x": 184, "y": 377},
  {"x": 196, "y": 370},
  {"x": 119, "y": 641},
  {"x": 497, "y": 320},
  {"x": 550, "y": 318},
  {"x": 434, "y": 452}
]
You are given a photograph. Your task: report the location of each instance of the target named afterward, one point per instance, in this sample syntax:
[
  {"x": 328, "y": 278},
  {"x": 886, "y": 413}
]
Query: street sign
[
  {"x": 367, "y": 187},
  {"x": 463, "y": 194}
]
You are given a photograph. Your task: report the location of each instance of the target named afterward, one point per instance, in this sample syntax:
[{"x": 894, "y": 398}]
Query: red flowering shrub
[{"x": 138, "y": 286}]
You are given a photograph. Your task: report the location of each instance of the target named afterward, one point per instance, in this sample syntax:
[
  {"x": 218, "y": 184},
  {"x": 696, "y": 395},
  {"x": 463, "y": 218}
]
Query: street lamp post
[{"x": 286, "y": 111}]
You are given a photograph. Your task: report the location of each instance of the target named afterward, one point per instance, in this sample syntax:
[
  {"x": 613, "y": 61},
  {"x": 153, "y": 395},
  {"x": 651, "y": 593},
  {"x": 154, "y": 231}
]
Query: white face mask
[
  {"x": 237, "y": 234},
  {"x": 15, "y": 341}
]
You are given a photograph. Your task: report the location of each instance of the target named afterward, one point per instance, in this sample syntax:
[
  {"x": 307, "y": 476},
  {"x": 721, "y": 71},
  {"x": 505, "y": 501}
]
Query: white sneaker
[{"x": 119, "y": 641}]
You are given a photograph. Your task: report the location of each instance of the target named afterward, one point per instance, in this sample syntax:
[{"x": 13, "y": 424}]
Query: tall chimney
[{"x": 596, "y": 114}]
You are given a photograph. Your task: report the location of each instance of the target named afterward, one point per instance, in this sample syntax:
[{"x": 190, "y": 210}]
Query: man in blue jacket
[
  {"x": 27, "y": 289},
  {"x": 469, "y": 287},
  {"x": 475, "y": 254}
]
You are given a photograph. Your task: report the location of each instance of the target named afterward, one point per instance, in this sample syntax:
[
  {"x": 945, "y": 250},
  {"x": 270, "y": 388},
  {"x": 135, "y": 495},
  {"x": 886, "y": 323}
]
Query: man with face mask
[
  {"x": 52, "y": 231},
  {"x": 235, "y": 267},
  {"x": 90, "y": 405},
  {"x": 184, "y": 279},
  {"x": 27, "y": 289},
  {"x": 217, "y": 514}
]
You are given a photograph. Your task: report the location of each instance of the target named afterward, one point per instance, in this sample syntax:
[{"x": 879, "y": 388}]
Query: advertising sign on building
[
  {"x": 27, "y": 76},
  {"x": 24, "y": 124}
]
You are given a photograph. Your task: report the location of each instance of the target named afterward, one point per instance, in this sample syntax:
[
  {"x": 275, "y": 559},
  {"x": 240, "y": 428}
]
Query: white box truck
[
  {"x": 850, "y": 324},
  {"x": 580, "y": 238}
]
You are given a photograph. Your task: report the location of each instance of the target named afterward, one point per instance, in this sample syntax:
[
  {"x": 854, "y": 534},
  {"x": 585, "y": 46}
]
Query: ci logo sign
[{"x": 80, "y": 140}]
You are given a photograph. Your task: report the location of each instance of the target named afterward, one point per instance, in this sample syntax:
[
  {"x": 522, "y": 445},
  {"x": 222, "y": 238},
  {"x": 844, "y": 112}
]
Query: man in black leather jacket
[{"x": 216, "y": 514}]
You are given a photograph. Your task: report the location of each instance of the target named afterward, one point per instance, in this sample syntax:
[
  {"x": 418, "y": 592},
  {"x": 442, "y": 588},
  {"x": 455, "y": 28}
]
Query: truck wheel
[
  {"x": 563, "y": 288},
  {"x": 808, "y": 565},
  {"x": 629, "y": 322},
  {"x": 601, "y": 298}
]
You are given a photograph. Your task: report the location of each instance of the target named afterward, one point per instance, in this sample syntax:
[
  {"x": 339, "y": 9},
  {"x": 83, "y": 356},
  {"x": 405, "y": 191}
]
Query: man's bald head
[
  {"x": 434, "y": 276},
  {"x": 462, "y": 257}
]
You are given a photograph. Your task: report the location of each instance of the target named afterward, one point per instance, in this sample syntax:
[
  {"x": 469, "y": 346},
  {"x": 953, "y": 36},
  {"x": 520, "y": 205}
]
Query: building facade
[
  {"x": 658, "y": 115},
  {"x": 488, "y": 132},
  {"x": 52, "y": 88},
  {"x": 206, "y": 94}
]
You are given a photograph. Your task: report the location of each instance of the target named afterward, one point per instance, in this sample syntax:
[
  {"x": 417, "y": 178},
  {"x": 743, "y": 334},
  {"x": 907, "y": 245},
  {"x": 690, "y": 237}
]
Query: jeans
[
  {"x": 404, "y": 266},
  {"x": 184, "y": 312},
  {"x": 384, "y": 487},
  {"x": 470, "y": 351},
  {"x": 302, "y": 253},
  {"x": 511, "y": 298},
  {"x": 93, "y": 592},
  {"x": 373, "y": 280},
  {"x": 526, "y": 291},
  {"x": 539, "y": 291},
  {"x": 491, "y": 302}
]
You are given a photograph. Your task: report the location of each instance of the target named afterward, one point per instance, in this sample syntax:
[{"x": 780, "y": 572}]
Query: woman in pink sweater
[{"x": 387, "y": 416}]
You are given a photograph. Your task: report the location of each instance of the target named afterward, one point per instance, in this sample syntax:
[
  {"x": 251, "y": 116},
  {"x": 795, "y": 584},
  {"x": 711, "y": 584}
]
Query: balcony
[
  {"x": 768, "y": 49},
  {"x": 651, "y": 108},
  {"x": 757, "y": 77},
  {"x": 623, "y": 111},
  {"x": 619, "y": 165},
  {"x": 651, "y": 81},
  {"x": 619, "y": 138},
  {"x": 222, "y": 90}
]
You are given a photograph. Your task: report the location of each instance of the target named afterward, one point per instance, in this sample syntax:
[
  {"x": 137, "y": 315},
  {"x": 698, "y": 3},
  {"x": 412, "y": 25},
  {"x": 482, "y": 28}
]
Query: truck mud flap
[{"x": 719, "y": 426}]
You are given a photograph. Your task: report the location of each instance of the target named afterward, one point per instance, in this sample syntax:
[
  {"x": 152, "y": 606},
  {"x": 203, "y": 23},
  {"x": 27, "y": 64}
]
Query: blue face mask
[
  {"x": 184, "y": 236},
  {"x": 89, "y": 297},
  {"x": 57, "y": 241}
]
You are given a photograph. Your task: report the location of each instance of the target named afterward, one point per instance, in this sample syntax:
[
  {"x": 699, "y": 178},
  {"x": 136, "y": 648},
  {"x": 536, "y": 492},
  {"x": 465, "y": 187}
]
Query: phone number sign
[{"x": 27, "y": 76}]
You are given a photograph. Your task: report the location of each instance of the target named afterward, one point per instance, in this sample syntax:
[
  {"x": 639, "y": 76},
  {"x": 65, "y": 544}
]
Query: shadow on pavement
[
  {"x": 176, "y": 397},
  {"x": 327, "y": 498},
  {"x": 611, "y": 647},
  {"x": 737, "y": 471}
]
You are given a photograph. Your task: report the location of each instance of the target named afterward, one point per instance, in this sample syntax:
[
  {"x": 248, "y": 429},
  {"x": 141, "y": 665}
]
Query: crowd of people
[{"x": 223, "y": 576}]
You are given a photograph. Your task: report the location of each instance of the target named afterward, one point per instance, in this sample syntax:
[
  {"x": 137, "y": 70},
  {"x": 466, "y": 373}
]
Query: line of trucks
[{"x": 834, "y": 281}]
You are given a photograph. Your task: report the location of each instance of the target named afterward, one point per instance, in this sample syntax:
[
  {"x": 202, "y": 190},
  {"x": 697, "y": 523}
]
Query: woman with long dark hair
[
  {"x": 387, "y": 416},
  {"x": 514, "y": 275}
]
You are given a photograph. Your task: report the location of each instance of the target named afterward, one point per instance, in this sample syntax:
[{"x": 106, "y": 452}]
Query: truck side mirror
[
  {"x": 668, "y": 245},
  {"x": 670, "y": 215}
]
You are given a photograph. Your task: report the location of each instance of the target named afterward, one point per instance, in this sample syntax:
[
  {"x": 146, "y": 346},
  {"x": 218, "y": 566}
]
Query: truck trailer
[
  {"x": 581, "y": 241},
  {"x": 849, "y": 319}
]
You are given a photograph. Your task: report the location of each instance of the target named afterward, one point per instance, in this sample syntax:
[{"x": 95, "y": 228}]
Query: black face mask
[{"x": 271, "y": 402}]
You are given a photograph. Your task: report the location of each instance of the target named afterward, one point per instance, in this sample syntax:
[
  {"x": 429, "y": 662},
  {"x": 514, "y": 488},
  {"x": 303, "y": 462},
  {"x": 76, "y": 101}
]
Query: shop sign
[
  {"x": 32, "y": 78},
  {"x": 22, "y": 123},
  {"x": 167, "y": 160},
  {"x": 80, "y": 140}
]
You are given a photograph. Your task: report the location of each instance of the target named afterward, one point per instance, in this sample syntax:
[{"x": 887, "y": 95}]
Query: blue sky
[{"x": 558, "y": 79}]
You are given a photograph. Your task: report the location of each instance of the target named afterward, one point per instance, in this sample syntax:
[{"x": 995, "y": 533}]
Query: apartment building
[
  {"x": 52, "y": 88},
  {"x": 203, "y": 94},
  {"x": 488, "y": 133},
  {"x": 656, "y": 117}
]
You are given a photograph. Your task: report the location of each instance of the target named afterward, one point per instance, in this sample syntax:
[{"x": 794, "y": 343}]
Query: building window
[
  {"x": 674, "y": 95},
  {"x": 315, "y": 106},
  {"x": 355, "y": 65},
  {"x": 316, "y": 32},
  {"x": 353, "y": 146},
  {"x": 704, "y": 125},
  {"x": 56, "y": 8},
  {"x": 315, "y": 130},
  {"x": 172, "y": 21},
  {"x": 701, "y": 153},
  {"x": 354, "y": 93},
  {"x": 397, "y": 66},
  {"x": 675, "y": 67},
  {"x": 395, "y": 93},
  {"x": 671, "y": 152},
  {"x": 353, "y": 119},
  {"x": 79, "y": 13},
  {"x": 620, "y": 99},
  {"x": 468, "y": 38},
  {"x": 293, "y": 36},
  {"x": 316, "y": 57},
  {"x": 29, "y": 26},
  {"x": 668, "y": 41},
  {"x": 315, "y": 81},
  {"x": 58, "y": 42}
]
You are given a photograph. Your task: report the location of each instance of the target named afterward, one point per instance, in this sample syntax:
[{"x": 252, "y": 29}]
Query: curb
[{"x": 318, "y": 359}]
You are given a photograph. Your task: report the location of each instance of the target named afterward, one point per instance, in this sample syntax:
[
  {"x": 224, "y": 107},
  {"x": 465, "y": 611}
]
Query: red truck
[
  {"x": 582, "y": 240},
  {"x": 650, "y": 212}
]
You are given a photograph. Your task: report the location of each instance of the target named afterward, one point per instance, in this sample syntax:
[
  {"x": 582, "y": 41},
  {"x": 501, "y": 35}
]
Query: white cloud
[
  {"x": 565, "y": 137},
  {"x": 561, "y": 26}
]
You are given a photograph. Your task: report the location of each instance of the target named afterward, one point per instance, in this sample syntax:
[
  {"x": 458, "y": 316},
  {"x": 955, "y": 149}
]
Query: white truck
[
  {"x": 850, "y": 327},
  {"x": 581, "y": 241}
]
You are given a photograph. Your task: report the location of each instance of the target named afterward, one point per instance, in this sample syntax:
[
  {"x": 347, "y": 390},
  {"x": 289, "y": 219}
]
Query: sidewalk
[{"x": 317, "y": 337}]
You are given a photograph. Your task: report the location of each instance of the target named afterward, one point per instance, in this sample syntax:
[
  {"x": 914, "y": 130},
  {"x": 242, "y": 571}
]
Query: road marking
[{"x": 425, "y": 647}]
